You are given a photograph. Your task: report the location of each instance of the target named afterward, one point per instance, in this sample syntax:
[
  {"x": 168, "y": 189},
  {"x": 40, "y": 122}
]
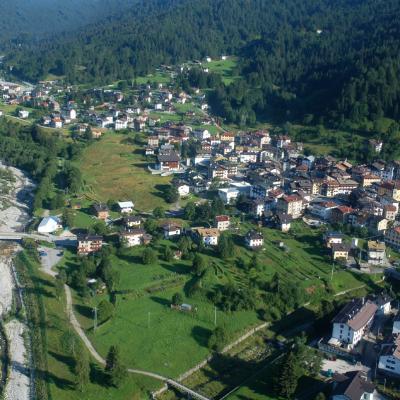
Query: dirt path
[{"x": 78, "y": 328}]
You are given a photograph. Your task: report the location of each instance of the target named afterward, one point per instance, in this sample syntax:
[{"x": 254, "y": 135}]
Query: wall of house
[{"x": 389, "y": 364}]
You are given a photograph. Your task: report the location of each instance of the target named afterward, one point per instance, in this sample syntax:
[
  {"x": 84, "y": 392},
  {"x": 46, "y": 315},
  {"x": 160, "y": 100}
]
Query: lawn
[{"x": 115, "y": 169}]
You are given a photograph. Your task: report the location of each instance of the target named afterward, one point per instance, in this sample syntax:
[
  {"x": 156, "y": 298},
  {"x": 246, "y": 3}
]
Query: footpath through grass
[{"x": 155, "y": 337}]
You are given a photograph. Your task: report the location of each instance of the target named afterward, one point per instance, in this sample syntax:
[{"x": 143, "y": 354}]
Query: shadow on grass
[
  {"x": 160, "y": 300},
  {"x": 85, "y": 311},
  {"x": 201, "y": 335}
]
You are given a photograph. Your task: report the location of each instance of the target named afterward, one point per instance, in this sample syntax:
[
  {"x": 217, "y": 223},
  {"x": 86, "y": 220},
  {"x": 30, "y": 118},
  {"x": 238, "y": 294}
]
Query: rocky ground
[{"x": 15, "y": 195}]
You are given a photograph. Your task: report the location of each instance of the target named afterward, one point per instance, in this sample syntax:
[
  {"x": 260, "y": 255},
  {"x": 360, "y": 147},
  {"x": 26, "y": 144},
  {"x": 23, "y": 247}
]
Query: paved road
[{"x": 58, "y": 240}]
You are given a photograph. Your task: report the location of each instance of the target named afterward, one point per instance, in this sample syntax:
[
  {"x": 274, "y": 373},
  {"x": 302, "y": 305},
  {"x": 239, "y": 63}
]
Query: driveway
[
  {"x": 49, "y": 257},
  {"x": 342, "y": 366}
]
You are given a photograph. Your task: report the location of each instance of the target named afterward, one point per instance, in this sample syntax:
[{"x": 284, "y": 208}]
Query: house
[
  {"x": 291, "y": 205},
  {"x": 125, "y": 207},
  {"x": 168, "y": 161},
  {"x": 353, "y": 321},
  {"x": 396, "y": 324},
  {"x": 333, "y": 238},
  {"x": 390, "y": 189},
  {"x": 390, "y": 212},
  {"x": 49, "y": 225},
  {"x": 352, "y": 385},
  {"x": 376, "y": 252},
  {"x": 323, "y": 209},
  {"x": 134, "y": 237},
  {"x": 222, "y": 222},
  {"x": 340, "y": 251},
  {"x": 132, "y": 221},
  {"x": 392, "y": 237},
  {"x": 88, "y": 244},
  {"x": 284, "y": 222},
  {"x": 389, "y": 359},
  {"x": 183, "y": 188},
  {"x": 24, "y": 114},
  {"x": 209, "y": 236},
  {"x": 258, "y": 207},
  {"x": 254, "y": 240},
  {"x": 228, "y": 195},
  {"x": 383, "y": 302},
  {"x": 172, "y": 230},
  {"x": 101, "y": 211}
]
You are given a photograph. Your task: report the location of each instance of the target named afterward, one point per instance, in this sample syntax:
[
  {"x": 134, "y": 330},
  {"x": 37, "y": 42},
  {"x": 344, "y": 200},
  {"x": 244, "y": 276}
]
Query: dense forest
[
  {"x": 22, "y": 20},
  {"x": 300, "y": 60},
  {"x": 37, "y": 153},
  {"x": 342, "y": 65}
]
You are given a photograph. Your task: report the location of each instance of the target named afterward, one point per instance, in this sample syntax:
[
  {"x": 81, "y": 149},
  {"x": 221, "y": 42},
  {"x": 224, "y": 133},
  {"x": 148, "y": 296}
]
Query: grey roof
[{"x": 352, "y": 385}]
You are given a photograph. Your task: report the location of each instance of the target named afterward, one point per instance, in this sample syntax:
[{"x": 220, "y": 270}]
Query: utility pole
[{"x": 95, "y": 319}]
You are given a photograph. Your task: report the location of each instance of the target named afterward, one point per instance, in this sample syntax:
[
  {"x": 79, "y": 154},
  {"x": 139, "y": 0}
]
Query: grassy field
[
  {"x": 59, "y": 374},
  {"x": 227, "y": 68},
  {"x": 115, "y": 169},
  {"x": 154, "y": 337}
]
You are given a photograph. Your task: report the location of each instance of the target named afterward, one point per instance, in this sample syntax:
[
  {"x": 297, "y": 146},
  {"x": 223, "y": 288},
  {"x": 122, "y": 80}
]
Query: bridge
[{"x": 69, "y": 241}]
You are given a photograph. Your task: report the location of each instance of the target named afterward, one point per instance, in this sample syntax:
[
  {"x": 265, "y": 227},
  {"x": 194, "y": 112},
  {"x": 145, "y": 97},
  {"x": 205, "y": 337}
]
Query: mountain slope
[{"x": 35, "y": 18}]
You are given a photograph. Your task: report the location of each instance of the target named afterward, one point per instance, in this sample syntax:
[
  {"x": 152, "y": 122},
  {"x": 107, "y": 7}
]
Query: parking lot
[{"x": 49, "y": 257}]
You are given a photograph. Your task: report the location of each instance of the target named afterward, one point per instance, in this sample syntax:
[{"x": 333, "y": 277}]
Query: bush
[{"x": 149, "y": 256}]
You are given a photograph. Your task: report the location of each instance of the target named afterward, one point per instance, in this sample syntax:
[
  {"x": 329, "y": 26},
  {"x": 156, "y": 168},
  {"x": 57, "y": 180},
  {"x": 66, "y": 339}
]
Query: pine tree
[
  {"x": 82, "y": 371},
  {"x": 289, "y": 376},
  {"x": 115, "y": 369}
]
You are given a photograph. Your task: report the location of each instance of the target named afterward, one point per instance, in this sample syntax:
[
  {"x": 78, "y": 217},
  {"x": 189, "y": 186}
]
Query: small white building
[
  {"x": 126, "y": 207},
  {"x": 222, "y": 222},
  {"x": 24, "y": 114},
  {"x": 49, "y": 225},
  {"x": 171, "y": 230},
  {"x": 183, "y": 189},
  {"x": 254, "y": 240}
]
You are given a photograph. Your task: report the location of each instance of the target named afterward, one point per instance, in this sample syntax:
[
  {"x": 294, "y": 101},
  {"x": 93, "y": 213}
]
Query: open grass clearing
[{"x": 115, "y": 169}]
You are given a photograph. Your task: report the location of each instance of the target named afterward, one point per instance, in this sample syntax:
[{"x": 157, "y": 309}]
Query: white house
[
  {"x": 209, "y": 236},
  {"x": 126, "y": 207},
  {"x": 202, "y": 134},
  {"x": 183, "y": 189},
  {"x": 24, "y": 114},
  {"x": 134, "y": 237},
  {"x": 121, "y": 124},
  {"x": 49, "y": 225},
  {"x": 254, "y": 240},
  {"x": 389, "y": 360},
  {"x": 352, "y": 322},
  {"x": 222, "y": 222},
  {"x": 171, "y": 230},
  {"x": 227, "y": 195},
  {"x": 353, "y": 385}
]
